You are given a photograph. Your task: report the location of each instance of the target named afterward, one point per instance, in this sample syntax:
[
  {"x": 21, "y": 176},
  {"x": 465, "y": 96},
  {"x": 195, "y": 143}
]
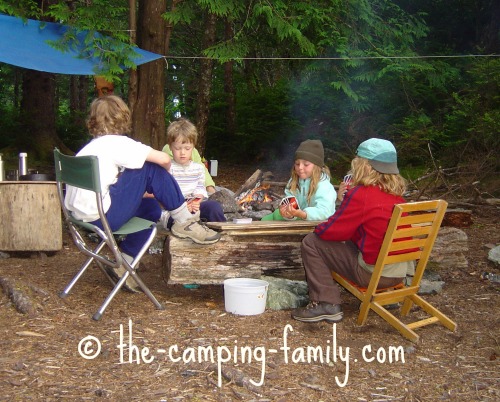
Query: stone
[
  {"x": 285, "y": 294},
  {"x": 226, "y": 198},
  {"x": 450, "y": 250},
  {"x": 428, "y": 287},
  {"x": 494, "y": 255}
]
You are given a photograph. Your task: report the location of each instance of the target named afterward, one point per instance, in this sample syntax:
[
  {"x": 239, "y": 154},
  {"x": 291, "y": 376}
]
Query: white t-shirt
[
  {"x": 190, "y": 178},
  {"x": 115, "y": 153}
]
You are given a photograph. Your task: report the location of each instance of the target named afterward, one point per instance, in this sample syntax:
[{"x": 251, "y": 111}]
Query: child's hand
[
  {"x": 289, "y": 212},
  {"x": 148, "y": 195},
  {"x": 343, "y": 187},
  {"x": 193, "y": 204}
]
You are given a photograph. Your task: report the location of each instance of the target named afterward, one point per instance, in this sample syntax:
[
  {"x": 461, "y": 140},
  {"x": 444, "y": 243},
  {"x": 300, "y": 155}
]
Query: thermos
[{"x": 23, "y": 164}]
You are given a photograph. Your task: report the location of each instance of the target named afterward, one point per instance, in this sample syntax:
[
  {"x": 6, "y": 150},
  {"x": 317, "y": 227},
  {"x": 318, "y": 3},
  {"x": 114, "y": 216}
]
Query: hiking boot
[
  {"x": 318, "y": 311},
  {"x": 195, "y": 231},
  {"x": 117, "y": 273}
]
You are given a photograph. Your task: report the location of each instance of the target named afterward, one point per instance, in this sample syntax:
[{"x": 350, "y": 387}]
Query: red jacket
[{"x": 363, "y": 218}]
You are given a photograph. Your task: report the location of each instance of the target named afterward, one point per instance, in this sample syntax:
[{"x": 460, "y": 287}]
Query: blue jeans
[
  {"x": 210, "y": 211},
  {"x": 127, "y": 201}
]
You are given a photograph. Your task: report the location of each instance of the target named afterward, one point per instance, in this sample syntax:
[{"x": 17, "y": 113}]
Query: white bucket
[{"x": 245, "y": 296}]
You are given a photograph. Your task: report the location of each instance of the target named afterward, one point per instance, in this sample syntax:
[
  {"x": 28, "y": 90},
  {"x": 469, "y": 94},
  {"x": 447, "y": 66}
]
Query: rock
[
  {"x": 226, "y": 198},
  {"x": 428, "y": 287},
  {"x": 450, "y": 250},
  {"x": 431, "y": 283},
  {"x": 431, "y": 275},
  {"x": 256, "y": 215},
  {"x": 494, "y": 255},
  {"x": 285, "y": 294}
]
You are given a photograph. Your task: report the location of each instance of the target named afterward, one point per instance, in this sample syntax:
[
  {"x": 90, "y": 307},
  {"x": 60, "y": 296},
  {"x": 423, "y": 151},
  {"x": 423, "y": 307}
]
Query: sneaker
[
  {"x": 117, "y": 273},
  {"x": 195, "y": 231},
  {"x": 318, "y": 311}
]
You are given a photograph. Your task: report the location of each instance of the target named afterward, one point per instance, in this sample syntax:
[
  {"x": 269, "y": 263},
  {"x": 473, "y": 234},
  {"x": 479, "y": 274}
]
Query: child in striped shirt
[{"x": 182, "y": 137}]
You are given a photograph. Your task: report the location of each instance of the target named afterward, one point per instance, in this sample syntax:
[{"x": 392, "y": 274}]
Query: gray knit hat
[{"x": 312, "y": 151}]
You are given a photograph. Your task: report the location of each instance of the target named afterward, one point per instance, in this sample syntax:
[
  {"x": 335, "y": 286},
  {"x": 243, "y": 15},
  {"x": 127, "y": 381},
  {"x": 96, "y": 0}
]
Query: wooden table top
[{"x": 265, "y": 227}]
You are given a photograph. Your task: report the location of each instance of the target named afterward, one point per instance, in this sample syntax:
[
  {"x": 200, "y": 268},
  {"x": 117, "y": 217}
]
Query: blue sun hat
[{"x": 381, "y": 155}]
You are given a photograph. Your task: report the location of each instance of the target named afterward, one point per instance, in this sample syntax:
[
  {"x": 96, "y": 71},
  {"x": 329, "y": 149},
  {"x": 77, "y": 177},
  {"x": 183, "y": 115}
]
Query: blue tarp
[{"x": 24, "y": 44}]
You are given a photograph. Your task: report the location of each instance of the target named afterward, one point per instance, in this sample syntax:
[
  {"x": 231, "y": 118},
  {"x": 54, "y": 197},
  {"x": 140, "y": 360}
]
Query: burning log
[
  {"x": 250, "y": 183},
  {"x": 255, "y": 195}
]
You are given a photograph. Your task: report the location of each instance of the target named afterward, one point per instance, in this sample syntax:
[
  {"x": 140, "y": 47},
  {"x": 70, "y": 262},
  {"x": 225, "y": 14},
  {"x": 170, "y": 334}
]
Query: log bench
[
  {"x": 270, "y": 248},
  {"x": 244, "y": 250}
]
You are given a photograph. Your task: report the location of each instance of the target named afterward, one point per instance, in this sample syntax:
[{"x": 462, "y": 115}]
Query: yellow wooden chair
[{"x": 411, "y": 233}]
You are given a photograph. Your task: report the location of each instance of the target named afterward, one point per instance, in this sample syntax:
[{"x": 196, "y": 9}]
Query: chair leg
[
  {"x": 364, "y": 309},
  {"x": 394, "y": 322},
  {"x": 84, "y": 267},
  {"x": 75, "y": 279},
  {"x": 130, "y": 271},
  {"x": 97, "y": 316},
  {"x": 146, "y": 290},
  {"x": 433, "y": 311}
]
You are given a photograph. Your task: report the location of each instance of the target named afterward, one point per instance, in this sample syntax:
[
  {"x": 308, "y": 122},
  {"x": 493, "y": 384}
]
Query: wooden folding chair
[
  {"x": 411, "y": 233},
  {"x": 83, "y": 172}
]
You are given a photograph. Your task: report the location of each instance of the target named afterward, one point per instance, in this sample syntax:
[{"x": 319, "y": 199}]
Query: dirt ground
[{"x": 139, "y": 353}]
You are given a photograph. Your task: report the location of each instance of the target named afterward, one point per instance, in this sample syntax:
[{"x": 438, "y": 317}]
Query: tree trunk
[
  {"x": 78, "y": 89},
  {"x": 170, "y": 27},
  {"x": 132, "y": 81},
  {"x": 38, "y": 116},
  {"x": 148, "y": 115},
  {"x": 229, "y": 88},
  {"x": 491, "y": 38},
  {"x": 205, "y": 84}
]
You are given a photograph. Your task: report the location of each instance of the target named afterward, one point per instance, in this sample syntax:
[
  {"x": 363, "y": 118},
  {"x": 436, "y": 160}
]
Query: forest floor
[{"x": 139, "y": 353}]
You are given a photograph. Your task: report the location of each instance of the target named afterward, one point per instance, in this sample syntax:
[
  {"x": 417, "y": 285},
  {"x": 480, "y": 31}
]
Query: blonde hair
[
  {"x": 365, "y": 175},
  {"x": 182, "y": 130},
  {"x": 109, "y": 115},
  {"x": 318, "y": 174}
]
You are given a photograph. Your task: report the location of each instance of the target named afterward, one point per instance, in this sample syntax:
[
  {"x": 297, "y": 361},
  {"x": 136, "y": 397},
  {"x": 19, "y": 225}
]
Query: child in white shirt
[{"x": 181, "y": 138}]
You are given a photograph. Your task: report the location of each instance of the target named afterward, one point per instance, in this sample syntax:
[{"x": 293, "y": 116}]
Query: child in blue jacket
[{"x": 310, "y": 185}]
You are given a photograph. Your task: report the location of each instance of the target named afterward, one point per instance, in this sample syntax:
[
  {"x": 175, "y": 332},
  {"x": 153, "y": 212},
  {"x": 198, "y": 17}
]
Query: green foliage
[
  {"x": 358, "y": 86},
  {"x": 264, "y": 124},
  {"x": 107, "y": 39},
  {"x": 461, "y": 126},
  {"x": 21, "y": 8}
]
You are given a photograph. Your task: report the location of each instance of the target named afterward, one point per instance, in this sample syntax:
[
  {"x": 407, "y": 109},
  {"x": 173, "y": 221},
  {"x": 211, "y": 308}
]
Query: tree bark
[
  {"x": 148, "y": 118},
  {"x": 205, "y": 84},
  {"x": 229, "y": 87},
  {"x": 78, "y": 89},
  {"x": 132, "y": 81},
  {"x": 38, "y": 116}
]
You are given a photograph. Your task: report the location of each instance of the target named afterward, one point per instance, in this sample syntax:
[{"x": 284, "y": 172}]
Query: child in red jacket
[{"x": 349, "y": 242}]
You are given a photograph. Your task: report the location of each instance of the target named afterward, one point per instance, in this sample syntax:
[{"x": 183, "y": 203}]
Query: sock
[{"x": 181, "y": 214}]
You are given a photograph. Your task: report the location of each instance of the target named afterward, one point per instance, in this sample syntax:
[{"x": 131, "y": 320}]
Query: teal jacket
[{"x": 322, "y": 204}]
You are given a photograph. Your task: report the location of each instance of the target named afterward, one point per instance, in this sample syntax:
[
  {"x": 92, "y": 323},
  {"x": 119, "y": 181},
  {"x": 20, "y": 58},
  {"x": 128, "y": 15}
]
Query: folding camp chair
[
  {"x": 83, "y": 172},
  {"x": 411, "y": 233}
]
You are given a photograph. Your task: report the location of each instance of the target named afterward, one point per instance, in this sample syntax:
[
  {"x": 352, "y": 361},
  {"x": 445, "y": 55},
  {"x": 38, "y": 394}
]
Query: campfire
[
  {"x": 259, "y": 194},
  {"x": 255, "y": 197}
]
